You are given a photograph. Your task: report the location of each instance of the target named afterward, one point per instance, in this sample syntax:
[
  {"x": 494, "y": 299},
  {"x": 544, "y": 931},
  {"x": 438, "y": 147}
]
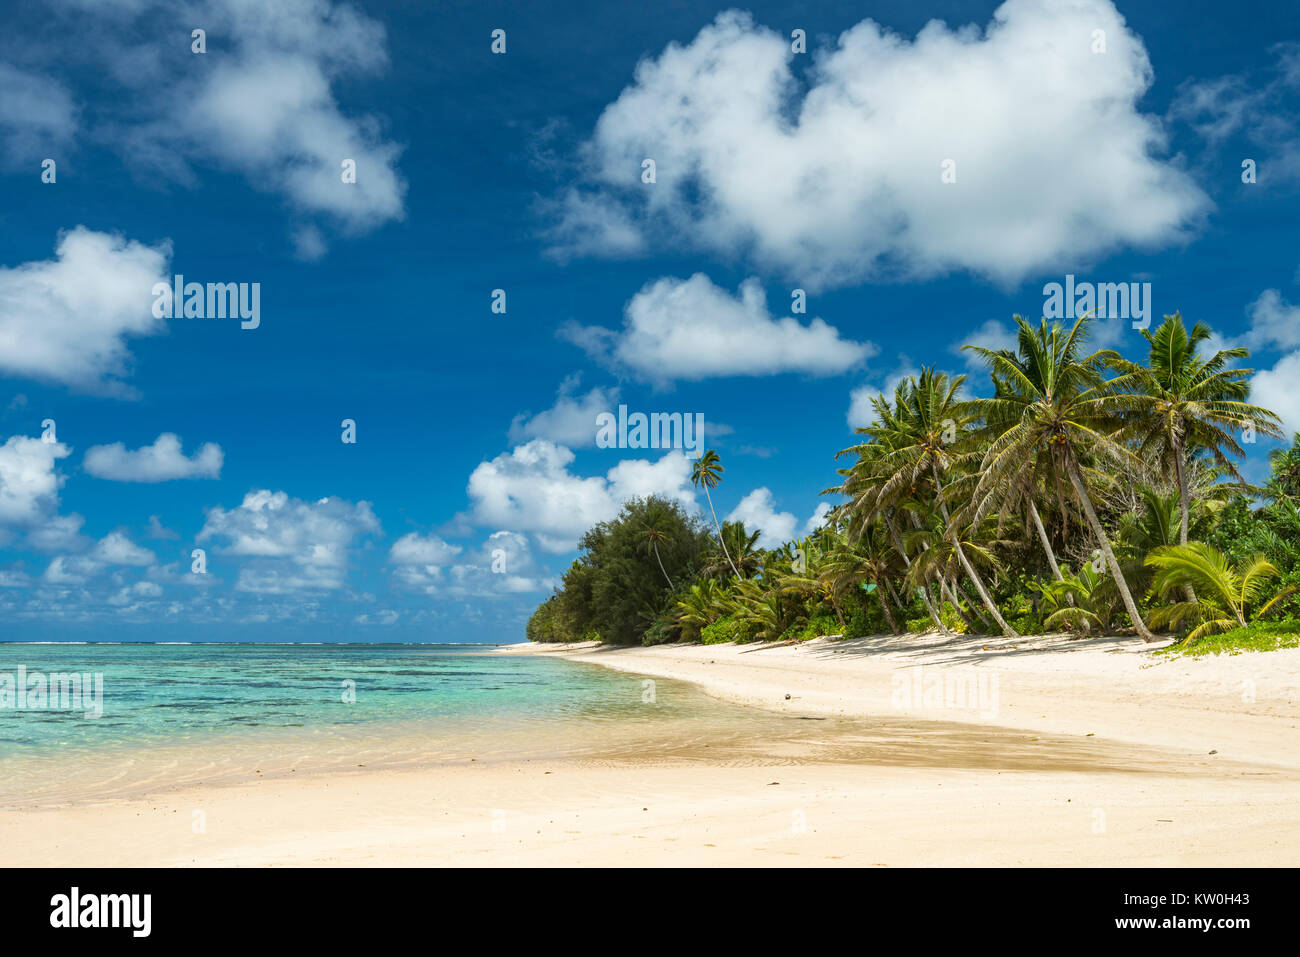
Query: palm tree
[
  {"x": 1225, "y": 590},
  {"x": 1051, "y": 399},
  {"x": 869, "y": 559},
  {"x": 652, "y": 529},
  {"x": 1284, "y": 483},
  {"x": 707, "y": 472},
  {"x": 1075, "y": 601},
  {"x": 741, "y": 551},
  {"x": 697, "y": 608},
  {"x": 874, "y": 500},
  {"x": 920, "y": 438},
  {"x": 1188, "y": 404}
]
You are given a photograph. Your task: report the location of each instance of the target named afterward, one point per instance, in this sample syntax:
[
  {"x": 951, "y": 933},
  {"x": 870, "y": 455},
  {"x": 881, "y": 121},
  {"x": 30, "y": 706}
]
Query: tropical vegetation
[{"x": 1071, "y": 491}]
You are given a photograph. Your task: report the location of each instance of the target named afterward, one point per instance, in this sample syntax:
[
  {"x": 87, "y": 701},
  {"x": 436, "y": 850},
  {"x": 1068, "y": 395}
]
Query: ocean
[{"x": 178, "y": 714}]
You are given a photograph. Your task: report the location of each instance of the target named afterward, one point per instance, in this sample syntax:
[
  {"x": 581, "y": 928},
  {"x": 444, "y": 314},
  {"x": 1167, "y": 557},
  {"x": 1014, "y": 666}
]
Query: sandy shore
[
  {"x": 1088, "y": 753},
  {"x": 1245, "y": 707}
]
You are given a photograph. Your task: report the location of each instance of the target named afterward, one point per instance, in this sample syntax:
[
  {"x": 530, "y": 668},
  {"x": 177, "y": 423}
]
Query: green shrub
[
  {"x": 1027, "y": 624},
  {"x": 721, "y": 631},
  {"x": 1256, "y": 636}
]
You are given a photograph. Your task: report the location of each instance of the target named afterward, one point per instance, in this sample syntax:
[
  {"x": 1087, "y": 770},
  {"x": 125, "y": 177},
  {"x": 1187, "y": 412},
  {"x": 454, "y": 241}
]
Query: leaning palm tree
[
  {"x": 1187, "y": 403},
  {"x": 1226, "y": 592},
  {"x": 707, "y": 472},
  {"x": 653, "y": 532},
  {"x": 1053, "y": 399},
  {"x": 868, "y": 507},
  {"x": 741, "y": 547},
  {"x": 921, "y": 440},
  {"x": 870, "y": 559}
]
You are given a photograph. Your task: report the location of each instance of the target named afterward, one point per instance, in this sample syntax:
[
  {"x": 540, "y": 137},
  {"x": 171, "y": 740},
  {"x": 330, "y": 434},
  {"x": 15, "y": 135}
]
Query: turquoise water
[
  {"x": 178, "y": 693},
  {"x": 178, "y": 714}
]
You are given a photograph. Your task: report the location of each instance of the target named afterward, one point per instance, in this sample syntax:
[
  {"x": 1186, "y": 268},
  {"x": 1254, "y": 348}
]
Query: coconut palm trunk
[
  {"x": 925, "y": 592},
  {"x": 720, "y": 539},
  {"x": 894, "y": 595},
  {"x": 1180, "y": 469},
  {"x": 949, "y": 592},
  {"x": 971, "y": 573},
  {"x": 1042, "y": 537},
  {"x": 655, "y": 546},
  {"x": 1130, "y": 606},
  {"x": 884, "y": 605}
]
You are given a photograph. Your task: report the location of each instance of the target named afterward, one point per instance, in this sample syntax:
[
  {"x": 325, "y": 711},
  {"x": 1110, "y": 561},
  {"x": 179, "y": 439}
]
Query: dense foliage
[{"x": 1086, "y": 494}]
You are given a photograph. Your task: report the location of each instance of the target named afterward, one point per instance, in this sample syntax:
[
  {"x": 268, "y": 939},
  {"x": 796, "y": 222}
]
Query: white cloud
[
  {"x": 265, "y": 104},
  {"x": 160, "y": 462},
  {"x": 503, "y": 566},
  {"x": 295, "y": 545},
  {"x": 691, "y": 329},
  {"x": 1262, "y": 111},
  {"x": 420, "y": 560},
  {"x": 993, "y": 334},
  {"x": 1274, "y": 322},
  {"x": 1274, "y": 326},
  {"x": 133, "y": 594},
  {"x": 156, "y": 529},
  {"x": 530, "y": 489},
  {"x": 818, "y": 518},
  {"x": 67, "y": 319},
  {"x": 116, "y": 549},
  {"x": 37, "y": 117},
  {"x": 571, "y": 421},
  {"x": 29, "y": 485},
  {"x": 58, "y": 533},
  {"x": 861, "y": 414},
  {"x": 838, "y": 179},
  {"x": 757, "y": 511},
  {"x": 71, "y": 570},
  {"x": 1276, "y": 389}
]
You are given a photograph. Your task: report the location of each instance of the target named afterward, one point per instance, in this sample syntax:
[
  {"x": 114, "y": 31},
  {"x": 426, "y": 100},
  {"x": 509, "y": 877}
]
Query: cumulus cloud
[
  {"x": 294, "y": 545},
  {"x": 116, "y": 548},
  {"x": 837, "y": 178},
  {"x": 691, "y": 329},
  {"x": 530, "y": 489},
  {"x": 67, "y": 319},
  {"x": 419, "y": 560},
  {"x": 29, "y": 484},
  {"x": 1275, "y": 389},
  {"x": 503, "y": 566},
  {"x": 160, "y": 462},
  {"x": 861, "y": 414},
  {"x": 1274, "y": 322},
  {"x": 757, "y": 511},
  {"x": 571, "y": 421},
  {"x": 267, "y": 106},
  {"x": 1275, "y": 327}
]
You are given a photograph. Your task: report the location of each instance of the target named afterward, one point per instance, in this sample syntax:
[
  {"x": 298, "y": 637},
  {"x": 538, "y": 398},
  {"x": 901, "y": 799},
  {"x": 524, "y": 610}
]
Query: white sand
[{"x": 1165, "y": 801}]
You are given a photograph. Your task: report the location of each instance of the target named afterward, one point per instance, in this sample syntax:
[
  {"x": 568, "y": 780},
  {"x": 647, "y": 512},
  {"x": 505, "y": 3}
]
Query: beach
[{"x": 1063, "y": 753}]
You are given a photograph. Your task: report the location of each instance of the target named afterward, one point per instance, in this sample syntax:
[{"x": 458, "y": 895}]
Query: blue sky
[{"x": 522, "y": 171}]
